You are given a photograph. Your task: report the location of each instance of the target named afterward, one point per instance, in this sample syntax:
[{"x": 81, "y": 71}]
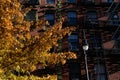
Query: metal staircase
[
  {"x": 114, "y": 41},
  {"x": 114, "y": 8}
]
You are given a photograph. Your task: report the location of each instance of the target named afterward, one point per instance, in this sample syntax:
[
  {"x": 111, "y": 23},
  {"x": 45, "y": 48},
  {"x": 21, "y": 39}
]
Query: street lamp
[{"x": 85, "y": 48}]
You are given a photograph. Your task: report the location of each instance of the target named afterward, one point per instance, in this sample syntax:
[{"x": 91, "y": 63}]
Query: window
[
  {"x": 74, "y": 70},
  {"x": 73, "y": 42},
  {"x": 50, "y": 1},
  {"x": 34, "y": 1},
  {"x": 100, "y": 71},
  {"x": 110, "y": 1},
  {"x": 92, "y": 16},
  {"x": 72, "y": 17},
  {"x": 71, "y": 1},
  {"x": 73, "y": 46},
  {"x": 95, "y": 41},
  {"x": 50, "y": 17},
  {"x": 107, "y": 1},
  {"x": 31, "y": 15},
  {"x": 99, "y": 68}
]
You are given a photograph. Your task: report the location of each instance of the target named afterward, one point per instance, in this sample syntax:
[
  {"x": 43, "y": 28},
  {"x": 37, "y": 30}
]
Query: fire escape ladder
[
  {"x": 116, "y": 37},
  {"x": 112, "y": 9},
  {"x": 115, "y": 33}
]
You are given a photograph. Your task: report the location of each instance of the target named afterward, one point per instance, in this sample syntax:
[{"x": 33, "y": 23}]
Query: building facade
[{"x": 99, "y": 19}]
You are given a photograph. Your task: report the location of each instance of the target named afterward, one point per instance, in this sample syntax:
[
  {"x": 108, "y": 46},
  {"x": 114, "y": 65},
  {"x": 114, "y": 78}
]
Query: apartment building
[{"x": 99, "y": 21}]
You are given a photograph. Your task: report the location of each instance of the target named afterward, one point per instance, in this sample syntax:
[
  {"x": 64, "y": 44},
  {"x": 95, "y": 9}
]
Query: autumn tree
[{"x": 21, "y": 48}]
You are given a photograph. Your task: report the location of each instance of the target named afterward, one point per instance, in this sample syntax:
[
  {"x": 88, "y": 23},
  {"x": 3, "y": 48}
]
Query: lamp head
[{"x": 85, "y": 45}]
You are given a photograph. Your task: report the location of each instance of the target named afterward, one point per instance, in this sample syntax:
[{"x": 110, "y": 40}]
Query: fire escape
[
  {"x": 106, "y": 56},
  {"x": 114, "y": 51}
]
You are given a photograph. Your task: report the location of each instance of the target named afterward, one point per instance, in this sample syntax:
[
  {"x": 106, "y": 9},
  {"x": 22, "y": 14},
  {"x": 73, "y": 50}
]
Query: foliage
[
  {"x": 24, "y": 49},
  {"x": 30, "y": 77}
]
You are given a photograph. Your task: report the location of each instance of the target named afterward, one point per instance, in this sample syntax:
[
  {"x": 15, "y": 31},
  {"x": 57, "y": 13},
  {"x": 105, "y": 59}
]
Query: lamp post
[{"x": 85, "y": 48}]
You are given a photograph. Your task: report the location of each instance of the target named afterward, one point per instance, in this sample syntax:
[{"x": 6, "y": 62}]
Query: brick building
[{"x": 99, "y": 19}]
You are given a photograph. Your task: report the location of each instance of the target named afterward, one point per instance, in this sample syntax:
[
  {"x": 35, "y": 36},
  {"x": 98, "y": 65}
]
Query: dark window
[
  {"x": 107, "y": 1},
  {"x": 73, "y": 46},
  {"x": 50, "y": 18},
  {"x": 72, "y": 17},
  {"x": 92, "y": 16},
  {"x": 73, "y": 42},
  {"x": 71, "y": 1},
  {"x": 34, "y": 1},
  {"x": 31, "y": 15},
  {"x": 95, "y": 41},
  {"x": 110, "y": 1},
  {"x": 74, "y": 71},
  {"x": 100, "y": 71},
  {"x": 50, "y": 1}
]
